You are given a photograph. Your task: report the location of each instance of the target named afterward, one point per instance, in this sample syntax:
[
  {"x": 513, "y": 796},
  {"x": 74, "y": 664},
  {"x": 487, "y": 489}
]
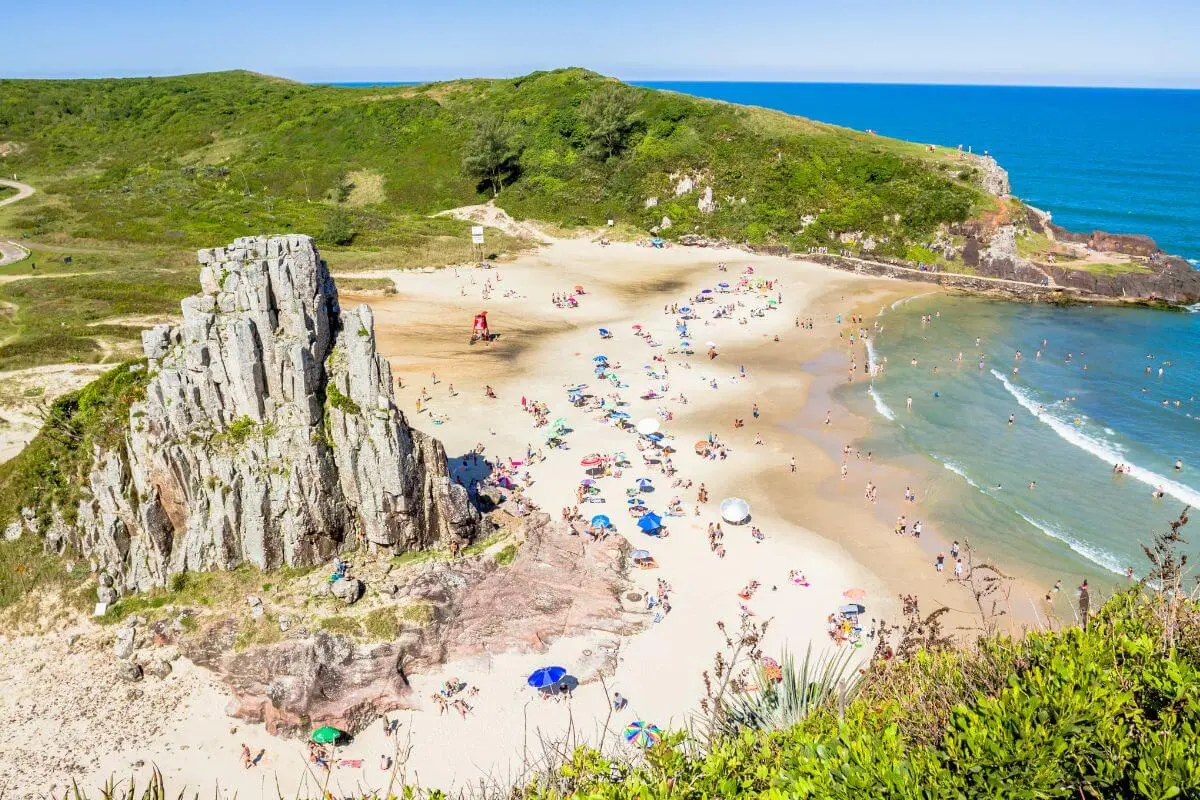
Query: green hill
[{"x": 198, "y": 159}]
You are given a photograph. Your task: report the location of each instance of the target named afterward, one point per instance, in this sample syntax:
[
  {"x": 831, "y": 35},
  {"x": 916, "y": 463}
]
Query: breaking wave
[{"x": 1104, "y": 450}]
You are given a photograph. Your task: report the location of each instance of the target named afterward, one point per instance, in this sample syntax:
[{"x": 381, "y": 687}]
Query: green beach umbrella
[{"x": 326, "y": 735}]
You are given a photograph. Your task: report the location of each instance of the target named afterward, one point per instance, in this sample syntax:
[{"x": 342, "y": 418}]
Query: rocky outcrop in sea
[{"x": 268, "y": 435}]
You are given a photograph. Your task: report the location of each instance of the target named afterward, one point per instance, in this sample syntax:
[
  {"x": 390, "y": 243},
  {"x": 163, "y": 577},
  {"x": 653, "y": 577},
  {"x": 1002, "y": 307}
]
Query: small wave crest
[
  {"x": 881, "y": 406},
  {"x": 1096, "y": 555},
  {"x": 872, "y": 359},
  {"x": 1104, "y": 450},
  {"x": 958, "y": 470}
]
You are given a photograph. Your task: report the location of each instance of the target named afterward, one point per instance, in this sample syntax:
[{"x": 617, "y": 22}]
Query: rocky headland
[{"x": 268, "y": 434}]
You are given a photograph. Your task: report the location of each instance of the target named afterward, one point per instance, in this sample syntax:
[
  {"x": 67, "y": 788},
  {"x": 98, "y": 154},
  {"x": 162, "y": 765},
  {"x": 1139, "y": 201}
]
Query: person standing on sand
[
  {"x": 941, "y": 561},
  {"x": 793, "y": 464}
]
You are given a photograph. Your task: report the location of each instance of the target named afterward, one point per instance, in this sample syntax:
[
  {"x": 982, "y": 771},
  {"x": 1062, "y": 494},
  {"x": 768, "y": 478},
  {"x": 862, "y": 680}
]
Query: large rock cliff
[{"x": 269, "y": 434}]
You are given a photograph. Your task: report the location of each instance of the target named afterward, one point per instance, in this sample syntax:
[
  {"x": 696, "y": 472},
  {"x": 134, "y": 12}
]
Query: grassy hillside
[{"x": 199, "y": 159}]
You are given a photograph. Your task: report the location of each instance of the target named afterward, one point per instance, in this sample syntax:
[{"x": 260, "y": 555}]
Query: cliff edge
[{"x": 268, "y": 434}]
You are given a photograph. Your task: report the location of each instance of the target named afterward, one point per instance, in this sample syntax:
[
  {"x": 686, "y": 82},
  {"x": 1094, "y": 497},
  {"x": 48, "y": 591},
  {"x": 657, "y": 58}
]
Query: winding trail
[{"x": 11, "y": 252}]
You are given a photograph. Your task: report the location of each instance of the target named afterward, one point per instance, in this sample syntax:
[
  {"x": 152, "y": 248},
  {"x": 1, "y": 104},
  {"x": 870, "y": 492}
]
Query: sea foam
[
  {"x": 1104, "y": 450},
  {"x": 880, "y": 406},
  {"x": 958, "y": 470},
  {"x": 1096, "y": 555}
]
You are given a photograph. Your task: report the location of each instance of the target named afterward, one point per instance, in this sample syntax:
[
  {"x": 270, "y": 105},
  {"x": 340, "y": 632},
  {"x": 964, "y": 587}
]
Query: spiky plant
[{"x": 819, "y": 681}]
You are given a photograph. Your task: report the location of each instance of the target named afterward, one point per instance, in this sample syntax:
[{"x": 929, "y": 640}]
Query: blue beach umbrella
[
  {"x": 605, "y": 332},
  {"x": 644, "y": 483},
  {"x": 600, "y": 358},
  {"x": 601, "y": 521},
  {"x": 650, "y": 522},
  {"x": 546, "y": 676}
]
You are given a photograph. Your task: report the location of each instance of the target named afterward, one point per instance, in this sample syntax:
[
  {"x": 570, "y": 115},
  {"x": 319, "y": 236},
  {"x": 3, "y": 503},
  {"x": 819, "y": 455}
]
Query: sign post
[{"x": 477, "y": 242}]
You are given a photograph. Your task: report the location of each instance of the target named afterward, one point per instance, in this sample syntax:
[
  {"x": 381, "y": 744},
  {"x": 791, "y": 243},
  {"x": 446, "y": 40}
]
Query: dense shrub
[{"x": 1109, "y": 711}]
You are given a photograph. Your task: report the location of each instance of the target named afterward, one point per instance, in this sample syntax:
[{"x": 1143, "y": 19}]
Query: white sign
[{"x": 476, "y": 234}]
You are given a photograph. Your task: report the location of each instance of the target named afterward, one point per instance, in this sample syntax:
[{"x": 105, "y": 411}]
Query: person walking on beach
[
  {"x": 793, "y": 464},
  {"x": 941, "y": 561},
  {"x": 958, "y": 568}
]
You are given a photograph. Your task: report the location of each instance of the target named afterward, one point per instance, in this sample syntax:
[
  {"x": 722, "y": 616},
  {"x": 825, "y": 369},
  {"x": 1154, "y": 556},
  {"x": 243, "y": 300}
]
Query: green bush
[{"x": 1110, "y": 711}]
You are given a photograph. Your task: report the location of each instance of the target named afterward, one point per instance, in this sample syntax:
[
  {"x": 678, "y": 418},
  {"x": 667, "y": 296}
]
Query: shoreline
[{"x": 810, "y": 523}]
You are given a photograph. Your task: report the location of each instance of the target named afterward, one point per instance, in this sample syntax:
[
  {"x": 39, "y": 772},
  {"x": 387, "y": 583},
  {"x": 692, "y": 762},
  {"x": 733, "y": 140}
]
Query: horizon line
[{"x": 1190, "y": 87}]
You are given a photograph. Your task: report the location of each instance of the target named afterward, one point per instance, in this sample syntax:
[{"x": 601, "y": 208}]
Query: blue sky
[{"x": 1061, "y": 42}]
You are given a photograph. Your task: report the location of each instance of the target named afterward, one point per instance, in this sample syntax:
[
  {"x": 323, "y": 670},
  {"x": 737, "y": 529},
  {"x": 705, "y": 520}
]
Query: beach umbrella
[
  {"x": 326, "y": 735},
  {"x": 854, "y": 594},
  {"x": 685, "y": 310},
  {"x": 647, "y": 426},
  {"x": 618, "y": 415},
  {"x": 591, "y": 461},
  {"x": 638, "y": 555},
  {"x": 655, "y": 437},
  {"x": 587, "y": 482},
  {"x": 637, "y": 327},
  {"x": 605, "y": 332},
  {"x": 723, "y": 285},
  {"x": 601, "y": 521},
  {"x": 710, "y": 344},
  {"x": 644, "y": 483},
  {"x": 702, "y": 446},
  {"x": 735, "y": 510},
  {"x": 852, "y": 608},
  {"x": 561, "y": 422},
  {"x": 706, "y": 291},
  {"x": 642, "y": 733},
  {"x": 634, "y": 501},
  {"x": 599, "y": 358},
  {"x": 546, "y": 676},
  {"x": 650, "y": 522}
]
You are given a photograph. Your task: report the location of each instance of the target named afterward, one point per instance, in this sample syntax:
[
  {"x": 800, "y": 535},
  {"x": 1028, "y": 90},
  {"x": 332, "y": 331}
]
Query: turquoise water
[
  {"x": 1121, "y": 160},
  {"x": 1080, "y": 517}
]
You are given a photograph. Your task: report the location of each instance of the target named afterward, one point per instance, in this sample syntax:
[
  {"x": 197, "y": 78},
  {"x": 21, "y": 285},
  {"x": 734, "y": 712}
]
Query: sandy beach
[{"x": 812, "y": 520}]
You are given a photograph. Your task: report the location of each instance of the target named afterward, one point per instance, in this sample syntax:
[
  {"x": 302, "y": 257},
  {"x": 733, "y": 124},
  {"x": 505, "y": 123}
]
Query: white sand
[{"x": 541, "y": 350}]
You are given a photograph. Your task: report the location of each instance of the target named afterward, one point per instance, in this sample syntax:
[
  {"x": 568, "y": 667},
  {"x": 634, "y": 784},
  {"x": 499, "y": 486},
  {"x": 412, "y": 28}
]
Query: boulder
[
  {"x": 125, "y": 642},
  {"x": 159, "y": 668},
  {"x": 348, "y": 590},
  {"x": 129, "y": 671}
]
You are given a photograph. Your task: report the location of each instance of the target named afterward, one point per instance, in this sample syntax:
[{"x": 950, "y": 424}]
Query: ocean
[{"x": 1120, "y": 160}]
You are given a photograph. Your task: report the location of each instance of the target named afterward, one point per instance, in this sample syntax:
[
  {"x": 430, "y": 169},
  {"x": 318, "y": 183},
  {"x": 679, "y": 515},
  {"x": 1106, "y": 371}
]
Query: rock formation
[
  {"x": 558, "y": 585},
  {"x": 995, "y": 177},
  {"x": 268, "y": 435}
]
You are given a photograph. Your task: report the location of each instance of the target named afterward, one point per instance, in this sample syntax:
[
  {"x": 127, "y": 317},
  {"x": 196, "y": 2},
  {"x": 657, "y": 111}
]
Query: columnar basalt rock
[{"x": 269, "y": 434}]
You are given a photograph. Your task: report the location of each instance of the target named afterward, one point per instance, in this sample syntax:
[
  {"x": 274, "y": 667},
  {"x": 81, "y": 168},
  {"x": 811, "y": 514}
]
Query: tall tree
[
  {"x": 609, "y": 115},
  {"x": 492, "y": 154}
]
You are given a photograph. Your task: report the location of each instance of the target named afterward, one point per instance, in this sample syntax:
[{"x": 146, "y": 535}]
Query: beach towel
[{"x": 353, "y": 763}]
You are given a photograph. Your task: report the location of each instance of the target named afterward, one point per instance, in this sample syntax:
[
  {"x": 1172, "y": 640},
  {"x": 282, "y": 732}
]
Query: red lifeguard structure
[{"x": 479, "y": 329}]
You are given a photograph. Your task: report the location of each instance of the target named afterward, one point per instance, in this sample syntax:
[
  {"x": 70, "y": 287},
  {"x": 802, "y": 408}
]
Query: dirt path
[
  {"x": 23, "y": 191},
  {"x": 11, "y": 252}
]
